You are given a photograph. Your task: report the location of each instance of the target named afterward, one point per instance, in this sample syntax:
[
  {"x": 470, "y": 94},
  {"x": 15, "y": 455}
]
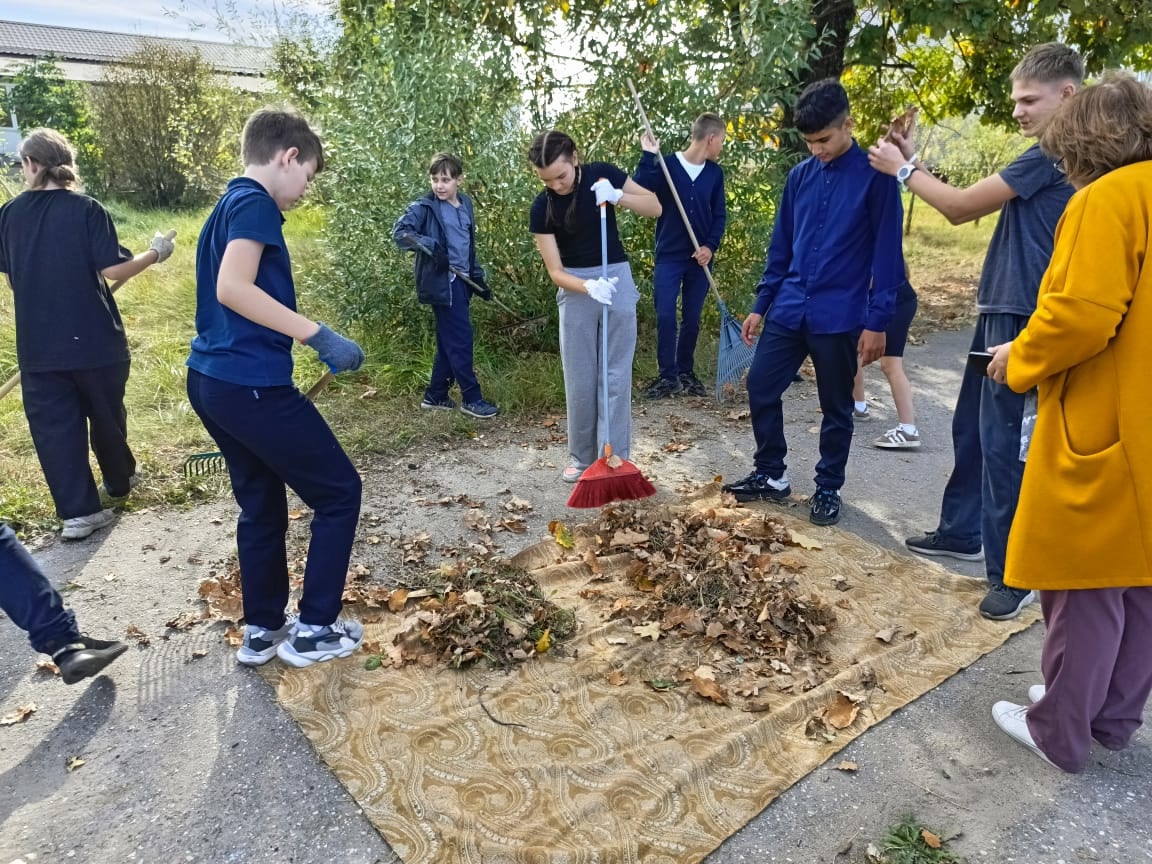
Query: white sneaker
[
  {"x": 1036, "y": 693},
  {"x": 1012, "y": 719},
  {"x": 260, "y": 645},
  {"x": 308, "y": 644},
  {"x": 79, "y": 527},
  {"x": 898, "y": 439}
]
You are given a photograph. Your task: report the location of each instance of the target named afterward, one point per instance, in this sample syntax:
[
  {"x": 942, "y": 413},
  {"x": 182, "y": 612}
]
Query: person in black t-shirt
[
  {"x": 565, "y": 219},
  {"x": 58, "y": 248}
]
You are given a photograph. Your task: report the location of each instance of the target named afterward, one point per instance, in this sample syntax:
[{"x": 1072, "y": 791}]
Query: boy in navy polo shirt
[
  {"x": 240, "y": 384},
  {"x": 828, "y": 290},
  {"x": 679, "y": 271},
  {"x": 444, "y": 224}
]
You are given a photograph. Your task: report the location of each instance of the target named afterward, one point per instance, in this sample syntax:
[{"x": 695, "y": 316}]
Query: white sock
[
  {"x": 909, "y": 429},
  {"x": 862, "y": 407}
]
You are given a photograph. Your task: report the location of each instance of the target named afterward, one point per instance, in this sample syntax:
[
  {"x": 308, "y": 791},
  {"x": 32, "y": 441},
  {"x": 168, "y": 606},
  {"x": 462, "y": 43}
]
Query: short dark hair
[
  {"x": 271, "y": 129},
  {"x": 445, "y": 163},
  {"x": 823, "y": 103}
]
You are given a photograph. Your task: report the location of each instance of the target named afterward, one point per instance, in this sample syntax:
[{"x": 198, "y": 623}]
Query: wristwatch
[{"x": 905, "y": 171}]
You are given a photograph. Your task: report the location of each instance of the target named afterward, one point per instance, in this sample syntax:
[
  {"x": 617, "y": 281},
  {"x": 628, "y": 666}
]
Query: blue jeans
[
  {"x": 271, "y": 437},
  {"x": 980, "y": 497},
  {"x": 684, "y": 280},
  {"x": 779, "y": 354},
  {"x": 454, "y": 341},
  {"x": 28, "y": 598}
]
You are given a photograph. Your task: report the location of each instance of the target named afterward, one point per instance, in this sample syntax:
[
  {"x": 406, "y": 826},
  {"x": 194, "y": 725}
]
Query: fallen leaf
[
  {"x": 369, "y": 393},
  {"x": 295, "y": 514},
  {"x": 134, "y": 632},
  {"x": 359, "y": 571},
  {"x": 517, "y": 505},
  {"x": 613, "y": 461},
  {"x": 758, "y": 704},
  {"x": 874, "y": 855},
  {"x": 709, "y": 689},
  {"x": 562, "y": 535},
  {"x": 544, "y": 642},
  {"x": 624, "y": 537},
  {"x": 473, "y": 598},
  {"x": 22, "y": 713},
  {"x": 198, "y": 653},
  {"x": 47, "y": 667},
  {"x": 617, "y": 677},
  {"x": 886, "y": 634},
  {"x": 616, "y": 640},
  {"x": 847, "y": 766},
  {"x": 73, "y": 763},
  {"x": 375, "y": 661},
  {"x": 372, "y": 539},
  {"x": 804, "y": 541},
  {"x": 842, "y": 712},
  {"x": 185, "y": 620},
  {"x": 662, "y": 684},
  {"x": 705, "y": 672},
  {"x": 650, "y": 630},
  {"x": 234, "y": 636},
  {"x": 930, "y": 839},
  {"x": 397, "y": 598}
]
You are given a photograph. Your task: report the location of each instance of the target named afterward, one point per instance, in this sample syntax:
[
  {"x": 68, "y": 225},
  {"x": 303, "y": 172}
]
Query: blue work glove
[
  {"x": 481, "y": 288},
  {"x": 338, "y": 353}
]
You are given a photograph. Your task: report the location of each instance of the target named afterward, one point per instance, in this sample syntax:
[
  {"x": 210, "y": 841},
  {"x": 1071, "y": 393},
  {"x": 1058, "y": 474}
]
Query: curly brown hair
[{"x": 1101, "y": 128}]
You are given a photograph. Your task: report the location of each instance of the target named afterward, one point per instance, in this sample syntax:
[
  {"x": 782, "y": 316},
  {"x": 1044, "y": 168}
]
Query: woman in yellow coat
[{"x": 1083, "y": 528}]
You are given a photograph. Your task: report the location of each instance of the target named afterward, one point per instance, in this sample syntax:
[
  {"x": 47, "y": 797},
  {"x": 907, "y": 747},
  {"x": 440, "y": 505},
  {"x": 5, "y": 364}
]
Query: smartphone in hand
[{"x": 979, "y": 361}]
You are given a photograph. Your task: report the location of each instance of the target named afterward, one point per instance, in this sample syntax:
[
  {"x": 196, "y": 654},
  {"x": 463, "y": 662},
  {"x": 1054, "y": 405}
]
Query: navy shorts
[{"x": 896, "y": 336}]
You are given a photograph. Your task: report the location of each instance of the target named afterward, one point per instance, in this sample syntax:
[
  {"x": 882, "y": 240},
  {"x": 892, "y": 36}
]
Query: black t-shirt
[
  {"x": 53, "y": 245},
  {"x": 578, "y": 234}
]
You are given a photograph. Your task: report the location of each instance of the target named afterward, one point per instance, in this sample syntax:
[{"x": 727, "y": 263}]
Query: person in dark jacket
[
  {"x": 441, "y": 229},
  {"x": 679, "y": 273}
]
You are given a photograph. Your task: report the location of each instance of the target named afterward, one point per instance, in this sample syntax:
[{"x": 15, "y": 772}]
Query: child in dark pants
[
  {"x": 441, "y": 229},
  {"x": 271, "y": 435},
  {"x": 679, "y": 271},
  {"x": 828, "y": 289},
  {"x": 59, "y": 250}
]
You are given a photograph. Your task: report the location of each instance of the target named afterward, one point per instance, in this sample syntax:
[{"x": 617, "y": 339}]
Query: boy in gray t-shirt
[{"x": 980, "y": 498}]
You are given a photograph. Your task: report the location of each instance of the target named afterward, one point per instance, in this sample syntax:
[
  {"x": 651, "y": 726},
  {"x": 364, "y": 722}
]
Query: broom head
[{"x": 609, "y": 479}]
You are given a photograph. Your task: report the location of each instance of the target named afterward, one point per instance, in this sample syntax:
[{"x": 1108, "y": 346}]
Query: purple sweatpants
[{"x": 1097, "y": 666}]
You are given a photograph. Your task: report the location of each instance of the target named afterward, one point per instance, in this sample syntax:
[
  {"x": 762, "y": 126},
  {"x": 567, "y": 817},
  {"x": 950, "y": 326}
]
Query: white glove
[
  {"x": 606, "y": 193},
  {"x": 163, "y": 245},
  {"x": 601, "y": 290}
]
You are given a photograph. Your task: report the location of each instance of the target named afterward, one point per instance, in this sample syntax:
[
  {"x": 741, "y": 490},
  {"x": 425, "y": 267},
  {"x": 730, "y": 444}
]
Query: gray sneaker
[
  {"x": 107, "y": 499},
  {"x": 897, "y": 439},
  {"x": 79, "y": 527},
  {"x": 307, "y": 645},
  {"x": 1002, "y": 603},
  {"x": 260, "y": 645}
]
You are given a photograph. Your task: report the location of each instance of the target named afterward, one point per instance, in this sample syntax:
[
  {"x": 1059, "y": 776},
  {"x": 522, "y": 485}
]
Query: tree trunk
[{"x": 833, "y": 20}]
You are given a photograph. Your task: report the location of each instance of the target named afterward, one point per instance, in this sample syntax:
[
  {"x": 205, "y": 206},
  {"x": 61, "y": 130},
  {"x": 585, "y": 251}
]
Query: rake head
[
  {"x": 204, "y": 464},
  {"x": 734, "y": 359}
]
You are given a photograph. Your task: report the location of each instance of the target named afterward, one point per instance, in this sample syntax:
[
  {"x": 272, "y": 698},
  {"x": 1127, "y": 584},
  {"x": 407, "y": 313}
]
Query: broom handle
[
  {"x": 604, "y": 331},
  {"x": 11, "y": 384},
  {"x": 672, "y": 187}
]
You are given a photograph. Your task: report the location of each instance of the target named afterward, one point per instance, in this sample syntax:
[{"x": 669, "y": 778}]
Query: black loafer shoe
[{"x": 88, "y": 657}]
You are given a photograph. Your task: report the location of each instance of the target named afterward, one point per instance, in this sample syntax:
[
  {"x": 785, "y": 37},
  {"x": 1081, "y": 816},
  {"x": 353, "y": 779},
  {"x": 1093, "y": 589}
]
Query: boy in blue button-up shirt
[{"x": 834, "y": 263}]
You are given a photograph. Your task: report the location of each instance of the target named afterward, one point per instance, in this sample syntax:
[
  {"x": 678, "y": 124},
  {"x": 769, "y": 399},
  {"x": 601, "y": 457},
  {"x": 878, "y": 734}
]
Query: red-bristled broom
[{"x": 609, "y": 478}]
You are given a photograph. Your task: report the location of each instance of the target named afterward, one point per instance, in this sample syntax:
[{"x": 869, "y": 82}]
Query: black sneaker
[
  {"x": 1002, "y": 603},
  {"x": 933, "y": 543},
  {"x": 481, "y": 409},
  {"x": 690, "y": 385},
  {"x": 824, "y": 507},
  {"x": 83, "y": 659},
  {"x": 759, "y": 487},
  {"x": 662, "y": 388},
  {"x": 445, "y": 404}
]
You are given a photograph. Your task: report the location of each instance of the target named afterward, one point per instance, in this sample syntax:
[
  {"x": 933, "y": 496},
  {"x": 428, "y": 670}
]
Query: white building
[{"x": 83, "y": 54}]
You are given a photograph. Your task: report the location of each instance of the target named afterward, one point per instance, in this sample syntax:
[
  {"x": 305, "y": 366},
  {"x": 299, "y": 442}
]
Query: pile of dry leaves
[{"x": 721, "y": 575}]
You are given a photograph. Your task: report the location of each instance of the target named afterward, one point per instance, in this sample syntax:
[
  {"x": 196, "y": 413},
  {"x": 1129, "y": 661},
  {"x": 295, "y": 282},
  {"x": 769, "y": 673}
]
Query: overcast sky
[{"x": 189, "y": 19}]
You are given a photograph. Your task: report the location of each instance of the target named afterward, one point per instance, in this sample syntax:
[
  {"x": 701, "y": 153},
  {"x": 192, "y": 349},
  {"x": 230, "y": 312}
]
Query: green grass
[
  {"x": 519, "y": 369},
  {"x": 905, "y": 844}
]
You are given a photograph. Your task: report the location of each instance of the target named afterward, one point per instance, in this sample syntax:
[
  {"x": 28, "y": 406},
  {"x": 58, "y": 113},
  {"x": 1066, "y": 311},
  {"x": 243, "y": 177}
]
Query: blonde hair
[
  {"x": 1101, "y": 128},
  {"x": 1050, "y": 63},
  {"x": 707, "y": 124},
  {"x": 55, "y": 156}
]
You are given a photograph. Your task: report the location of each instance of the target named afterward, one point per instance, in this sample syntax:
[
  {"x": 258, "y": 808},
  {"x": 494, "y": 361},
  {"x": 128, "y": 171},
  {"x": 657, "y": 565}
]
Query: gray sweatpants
[{"x": 580, "y": 316}]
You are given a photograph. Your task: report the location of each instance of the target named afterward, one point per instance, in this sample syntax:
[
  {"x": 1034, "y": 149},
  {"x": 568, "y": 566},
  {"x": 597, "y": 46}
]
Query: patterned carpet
[{"x": 560, "y": 762}]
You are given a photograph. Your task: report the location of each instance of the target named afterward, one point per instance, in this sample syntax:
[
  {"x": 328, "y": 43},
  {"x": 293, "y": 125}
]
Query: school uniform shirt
[
  {"x": 53, "y": 245},
  {"x": 575, "y": 218},
  {"x": 1021, "y": 244},
  {"x": 228, "y": 346},
  {"x": 836, "y": 257},
  {"x": 702, "y": 196}
]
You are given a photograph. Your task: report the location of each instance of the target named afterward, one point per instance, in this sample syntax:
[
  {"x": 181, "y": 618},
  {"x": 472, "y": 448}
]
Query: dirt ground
[{"x": 187, "y": 757}]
